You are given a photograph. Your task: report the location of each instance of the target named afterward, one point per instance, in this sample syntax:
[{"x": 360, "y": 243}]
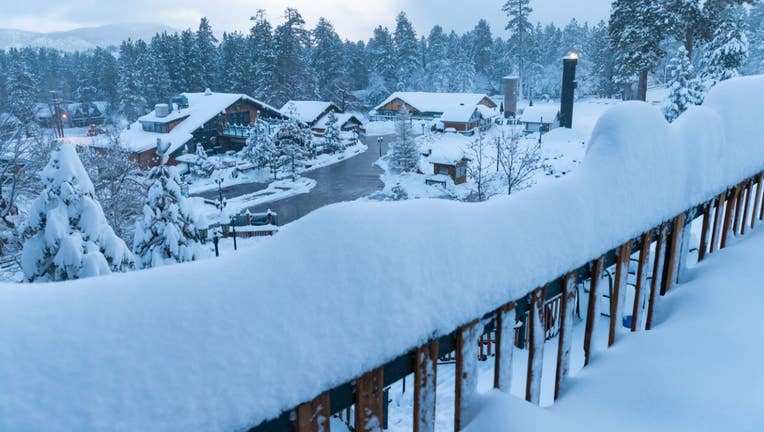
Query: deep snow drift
[{"x": 224, "y": 344}]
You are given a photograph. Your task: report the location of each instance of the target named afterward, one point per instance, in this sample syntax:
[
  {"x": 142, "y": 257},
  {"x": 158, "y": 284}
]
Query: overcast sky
[{"x": 354, "y": 19}]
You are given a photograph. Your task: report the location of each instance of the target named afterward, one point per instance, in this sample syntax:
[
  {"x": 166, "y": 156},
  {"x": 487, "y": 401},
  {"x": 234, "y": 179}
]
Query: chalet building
[
  {"x": 428, "y": 106},
  {"x": 467, "y": 119},
  {"x": 309, "y": 112},
  {"x": 540, "y": 118},
  {"x": 217, "y": 121},
  {"x": 347, "y": 122},
  {"x": 73, "y": 115}
]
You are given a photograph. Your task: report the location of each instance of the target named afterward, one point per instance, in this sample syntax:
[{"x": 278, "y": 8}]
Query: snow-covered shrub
[
  {"x": 685, "y": 89},
  {"x": 67, "y": 235},
  {"x": 167, "y": 233},
  {"x": 332, "y": 134},
  {"x": 261, "y": 151}
]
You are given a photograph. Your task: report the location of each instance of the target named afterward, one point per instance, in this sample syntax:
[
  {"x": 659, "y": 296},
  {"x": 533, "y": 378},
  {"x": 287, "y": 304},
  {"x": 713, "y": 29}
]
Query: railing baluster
[
  {"x": 744, "y": 223},
  {"x": 619, "y": 290},
  {"x": 313, "y": 416},
  {"x": 536, "y": 338},
  {"x": 658, "y": 270},
  {"x": 592, "y": 309},
  {"x": 740, "y": 194},
  {"x": 566, "y": 332},
  {"x": 672, "y": 261},
  {"x": 640, "y": 290},
  {"x": 728, "y": 217},
  {"x": 369, "y": 403},
  {"x": 505, "y": 347},
  {"x": 717, "y": 222},
  {"x": 757, "y": 202},
  {"x": 425, "y": 381},
  {"x": 704, "y": 232},
  {"x": 466, "y": 370}
]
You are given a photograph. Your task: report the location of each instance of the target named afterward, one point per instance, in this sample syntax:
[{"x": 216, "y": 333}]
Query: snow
[
  {"x": 307, "y": 112},
  {"x": 201, "y": 346},
  {"x": 342, "y": 119},
  {"x": 459, "y": 114},
  {"x": 537, "y": 113},
  {"x": 202, "y": 108},
  {"x": 434, "y": 102}
]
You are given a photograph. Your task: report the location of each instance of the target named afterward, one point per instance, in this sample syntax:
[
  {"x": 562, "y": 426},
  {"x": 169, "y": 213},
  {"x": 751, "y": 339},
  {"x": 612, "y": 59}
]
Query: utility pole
[{"x": 58, "y": 123}]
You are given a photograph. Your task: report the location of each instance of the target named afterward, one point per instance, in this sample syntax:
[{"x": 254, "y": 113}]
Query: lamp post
[
  {"x": 379, "y": 141},
  {"x": 216, "y": 240},
  {"x": 221, "y": 201},
  {"x": 233, "y": 231}
]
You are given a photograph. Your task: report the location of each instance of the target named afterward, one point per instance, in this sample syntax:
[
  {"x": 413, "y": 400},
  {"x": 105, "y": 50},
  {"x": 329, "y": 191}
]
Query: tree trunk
[{"x": 642, "y": 89}]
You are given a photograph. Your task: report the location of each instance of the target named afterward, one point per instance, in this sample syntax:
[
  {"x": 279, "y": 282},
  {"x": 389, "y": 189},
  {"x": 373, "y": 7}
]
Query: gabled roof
[
  {"x": 536, "y": 113},
  {"x": 202, "y": 108},
  {"x": 435, "y": 102},
  {"x": 309, "y": 111},
  {"x": 459, "y": 114},
  {"x": 342, "y": 119}
]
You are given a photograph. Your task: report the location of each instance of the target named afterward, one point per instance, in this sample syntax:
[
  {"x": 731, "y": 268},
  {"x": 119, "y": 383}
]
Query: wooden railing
[{"x": 734, "y": 212}]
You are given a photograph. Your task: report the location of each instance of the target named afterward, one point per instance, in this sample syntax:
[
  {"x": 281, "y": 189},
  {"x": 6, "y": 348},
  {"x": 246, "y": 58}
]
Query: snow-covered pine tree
[
  {"x": 636, "y": 32},
  {"x": 332, "y": 136},
  {"x": 21, "y": 91},
  {"x": 261, "y": 151},
  {"x": 685, "y": 89},
  {"x": 66, "y": 235},
  {"x": 404, "y": 156},
  {"x": 728, "y": 50},
  {"x": 262, "y": 63},
  {"x": 439, "y": 64},
  {"x": 131, "y": 103},
  {"x": 206, "y": 44},
  {"x": 407, "y": 53},
  {"x": 167, "y": 233},
  {"x": 292, "y": 78},
  {"x": 325, "y": 60},
  {"x": 382, "y": 60},
  {"x": 191, "y": 62},
  {"x": 520, "y": 31},
  {"x": 294, "y": 142}
]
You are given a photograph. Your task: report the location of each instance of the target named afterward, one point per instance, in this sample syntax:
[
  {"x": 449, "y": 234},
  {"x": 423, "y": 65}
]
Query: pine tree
[
  {"x": 191, "y": 63},
  {"x": 407, "y": 53},
  {"x": 233, "y": 64},
  {"x": 602, "y": 61},
  {"x": 439, "y": 66},
  {"x": 404, "y": 156},
  {"x": 131, "y": 103},
  {"x": 21, "y": 91},
  {"x": 294, "y": 142},
  {"x": 728, "y": 50},
  {"x": 261, "y": 151},
  {"x": 67, "y": 235},
  {"x": 482, "y": 48},
  {"x": 383, "y": 61},
  {"x": 326, "y": 59},
  {"x": 167, "y": 233},
  {"x": 292, "y": 79},
  {"x": 520, "y": 33},
  {"x": 636, "y": 32},
  {"x": 685, "y": 89},
  {"x": 332, "y": 136},
  {"x": 262, "y": 70},
  {"x": 206, "y": 46}
]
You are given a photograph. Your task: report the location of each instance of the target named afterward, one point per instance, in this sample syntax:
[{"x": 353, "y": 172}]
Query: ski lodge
[{"x": 217, "y": 121}]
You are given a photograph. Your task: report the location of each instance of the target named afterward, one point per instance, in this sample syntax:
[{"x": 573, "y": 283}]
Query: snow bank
[{"x": 224, "y": 344}]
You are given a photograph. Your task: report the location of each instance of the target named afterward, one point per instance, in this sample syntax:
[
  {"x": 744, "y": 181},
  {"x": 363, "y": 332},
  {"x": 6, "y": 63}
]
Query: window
[
  {"x": 154, "y": 127},
  {"x": 238, "y": 118}
]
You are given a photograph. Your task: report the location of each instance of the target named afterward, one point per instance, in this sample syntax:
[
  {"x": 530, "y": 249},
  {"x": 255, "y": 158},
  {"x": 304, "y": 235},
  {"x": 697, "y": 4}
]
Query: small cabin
[
  {"x": 427, "y": 106},
  {"x": 540, "y": 118},
  {"x": 456, "y": 170},
  {"x": 462, "y": 118}
]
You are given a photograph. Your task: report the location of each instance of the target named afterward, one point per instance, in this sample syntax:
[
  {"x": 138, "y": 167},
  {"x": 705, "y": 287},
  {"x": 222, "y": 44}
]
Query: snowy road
[{"x": 348, "y": 180}]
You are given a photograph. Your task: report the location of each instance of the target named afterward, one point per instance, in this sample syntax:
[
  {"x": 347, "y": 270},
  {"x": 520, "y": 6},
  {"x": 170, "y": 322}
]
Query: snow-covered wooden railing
[{"x": 733, "y": 212}]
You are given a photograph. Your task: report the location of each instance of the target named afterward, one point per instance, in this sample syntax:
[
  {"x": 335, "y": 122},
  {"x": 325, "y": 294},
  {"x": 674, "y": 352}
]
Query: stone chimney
[{"x": 510, "y": 96}]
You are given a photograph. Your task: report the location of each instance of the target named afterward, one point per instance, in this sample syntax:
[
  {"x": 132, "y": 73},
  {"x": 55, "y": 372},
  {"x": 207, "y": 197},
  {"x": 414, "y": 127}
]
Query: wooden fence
[{"x": 525, "y": 321}]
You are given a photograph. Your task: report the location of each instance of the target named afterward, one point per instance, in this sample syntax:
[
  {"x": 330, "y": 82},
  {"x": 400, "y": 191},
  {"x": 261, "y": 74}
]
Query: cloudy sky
[{"x": 353, "y": 19}]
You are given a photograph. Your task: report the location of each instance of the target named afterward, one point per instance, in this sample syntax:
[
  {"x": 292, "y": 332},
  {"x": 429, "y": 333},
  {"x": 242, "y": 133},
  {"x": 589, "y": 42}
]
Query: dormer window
[{"x": 155, "y": 127}]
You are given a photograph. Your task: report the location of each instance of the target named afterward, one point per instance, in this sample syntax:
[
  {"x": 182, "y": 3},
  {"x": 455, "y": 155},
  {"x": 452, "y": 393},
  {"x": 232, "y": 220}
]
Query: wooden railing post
[
  {"x": 672, "y": 260},
  {"x": 740, "y": 195},
  {"x": 705, "y": 231},
  {"x": 592, "y": 309},
  {"x": 369, "y": 402},
  {"x": 535, "y": 346},
  {"x": 640, "y": 289},
  {"x": 658, "y": 268},
  {"x": 729, "y": 214},
  {"x": 757, "y": 201},
  {"x": 313, "y": 416},
  {"x": 505, "y": 347},
  {"x": 746, "y": 212},
  {"x": 467, "y": 338},
  {"x": 717, "y": 222},
  {"x": 567, "y": 310},
  {"x": 619, "y": 290},
  {"x": 425, "y": 380}
]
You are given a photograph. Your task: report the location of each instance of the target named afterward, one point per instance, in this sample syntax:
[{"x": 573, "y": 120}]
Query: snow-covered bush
[
  {"x": 167, "y": 233},
  {"x": 294, "y": 142},
  {"x": 67, "y": 235},
  {"x": 685, "y": 89},
  {"x": 405, "y": 152},
  {"x": 261, "y": 151},
  {"x": 728, "y": 50}
]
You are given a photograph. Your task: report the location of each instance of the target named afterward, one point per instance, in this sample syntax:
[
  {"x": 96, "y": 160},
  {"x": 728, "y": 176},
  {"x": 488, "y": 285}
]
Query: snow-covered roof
[
  {"x": 342, "y": 118},
  {"x": 458, "y": 114},
  {"x": 434, "y": 102},
  {"x": 308, "y": 111},
  {"x": 488, "y": 112},
  {"x": 536, "y": 113},
  {"x": 201, "y": 109},
  {"x": 448, "y": 154}
]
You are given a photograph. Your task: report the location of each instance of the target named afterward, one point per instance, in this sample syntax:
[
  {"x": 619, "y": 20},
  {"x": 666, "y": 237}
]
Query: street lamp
[
  {"x": 221, "y": 201},
  {"x": 233, "y": 231},
  {"x": 379, "y": 141}
]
